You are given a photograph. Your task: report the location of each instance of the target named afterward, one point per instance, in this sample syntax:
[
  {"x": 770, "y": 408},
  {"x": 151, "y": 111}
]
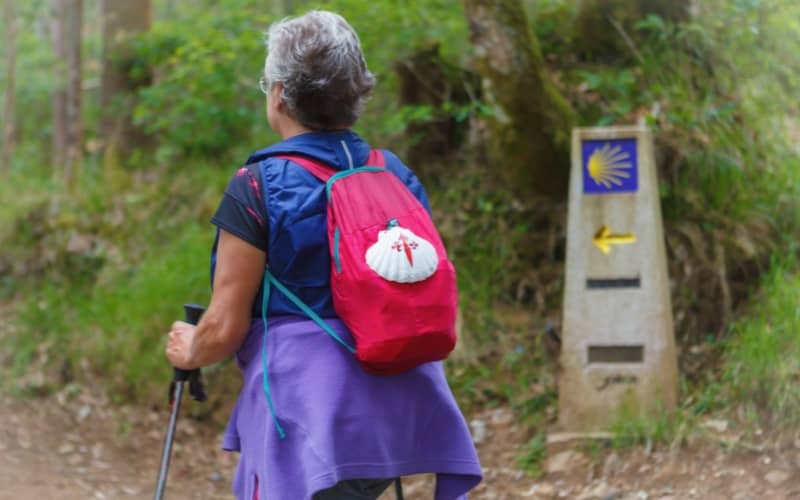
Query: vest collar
[{"x": 340, "y": 150}]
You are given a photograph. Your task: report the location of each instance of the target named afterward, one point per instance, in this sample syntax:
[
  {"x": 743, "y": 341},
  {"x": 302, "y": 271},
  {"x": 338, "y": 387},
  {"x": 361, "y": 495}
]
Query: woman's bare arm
[{"x": 239, "y": 271}]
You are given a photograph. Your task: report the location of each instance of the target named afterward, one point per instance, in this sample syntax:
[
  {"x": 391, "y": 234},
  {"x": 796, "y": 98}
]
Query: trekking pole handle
[
  {"x": 193, "y": 312},
  {"x": 192, "y": 316}
]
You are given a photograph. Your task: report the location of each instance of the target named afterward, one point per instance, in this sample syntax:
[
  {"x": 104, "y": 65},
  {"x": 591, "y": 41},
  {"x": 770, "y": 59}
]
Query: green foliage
[
  {"x": 552, "y": 22},
  {"x": 390, "y": 31},
  {"x": 212, "y": 57},
  {"x": 90, "y": 270},
  {"x": 130, "y": 317},
  {"x": 492, "y": 238},
  {"x": 533, "y": 454},
  {"x": 205, "y": 99},
  {"x": 117, "y": 328},
  {"x": 708, "y": 398},
  {"x": 762, "y": 365},
  {"x": 34, "y": 82}
]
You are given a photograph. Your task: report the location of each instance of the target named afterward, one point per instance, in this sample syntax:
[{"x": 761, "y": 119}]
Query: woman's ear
[
  {"x": 275, "y": 96},
  {"x": 276, "y": 108}
]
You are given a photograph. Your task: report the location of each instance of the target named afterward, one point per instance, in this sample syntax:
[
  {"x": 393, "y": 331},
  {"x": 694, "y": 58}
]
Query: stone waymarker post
[{"x": 617, "y": 338}]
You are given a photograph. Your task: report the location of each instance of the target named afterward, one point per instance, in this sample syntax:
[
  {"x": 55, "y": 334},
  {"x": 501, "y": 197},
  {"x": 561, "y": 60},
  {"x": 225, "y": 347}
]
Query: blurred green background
[{"x": 102, "y": 239}]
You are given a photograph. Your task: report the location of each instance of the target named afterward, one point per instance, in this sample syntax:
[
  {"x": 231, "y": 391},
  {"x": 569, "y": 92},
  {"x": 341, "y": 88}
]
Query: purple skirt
[{"x": 340, "y": 422}]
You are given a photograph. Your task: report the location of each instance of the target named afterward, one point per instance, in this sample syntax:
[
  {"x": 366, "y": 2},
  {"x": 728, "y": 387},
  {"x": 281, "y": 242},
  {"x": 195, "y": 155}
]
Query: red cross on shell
[
  {"x": 401, "y": 256},
  {"x": 403, "y": 244}
]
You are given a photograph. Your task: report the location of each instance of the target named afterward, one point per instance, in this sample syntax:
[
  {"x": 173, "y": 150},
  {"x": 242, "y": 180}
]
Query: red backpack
[{"x": 392, "y": 283}]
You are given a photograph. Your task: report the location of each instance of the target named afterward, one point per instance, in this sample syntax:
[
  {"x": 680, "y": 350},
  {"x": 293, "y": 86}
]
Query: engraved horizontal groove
[
  {"x": 616, "y": 354},
  {"x": 603, "y": 283}
]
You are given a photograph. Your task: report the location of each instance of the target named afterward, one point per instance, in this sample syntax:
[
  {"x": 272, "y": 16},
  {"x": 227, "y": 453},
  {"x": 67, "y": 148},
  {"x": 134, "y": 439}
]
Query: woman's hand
[{"x": 180, "y": 345}]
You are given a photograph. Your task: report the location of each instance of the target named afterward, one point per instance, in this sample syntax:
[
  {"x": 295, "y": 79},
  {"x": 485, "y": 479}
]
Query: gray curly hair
[{"x": 318, "y": 59}]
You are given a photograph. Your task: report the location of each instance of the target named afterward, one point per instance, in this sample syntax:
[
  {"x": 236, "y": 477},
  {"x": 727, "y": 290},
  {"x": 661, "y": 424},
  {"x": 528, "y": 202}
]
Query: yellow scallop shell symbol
[{"x": 608, "y": 165}]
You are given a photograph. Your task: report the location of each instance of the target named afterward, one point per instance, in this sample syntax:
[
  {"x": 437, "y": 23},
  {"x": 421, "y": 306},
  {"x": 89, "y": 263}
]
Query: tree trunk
[
  {"x": 74, "y": 138},
  {"x": 531, "y": 122},
  {"x": 605, "y": 30},
  {"x": 9, "y": 101},
  {"x": 59, "y": 154},
  {"x": 120, "y": 20},
  {"x": 67, "y": 120}
]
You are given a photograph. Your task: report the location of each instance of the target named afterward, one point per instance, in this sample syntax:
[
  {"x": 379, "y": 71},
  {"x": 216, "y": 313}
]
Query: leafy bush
[{"x": 205, "y": 99}]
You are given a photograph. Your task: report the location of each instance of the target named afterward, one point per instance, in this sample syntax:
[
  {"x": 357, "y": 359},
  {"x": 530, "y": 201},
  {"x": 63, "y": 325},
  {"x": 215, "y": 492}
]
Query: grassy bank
[{"x": 762, "y": 362}]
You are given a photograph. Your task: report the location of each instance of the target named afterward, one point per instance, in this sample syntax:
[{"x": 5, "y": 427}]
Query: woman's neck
[{"x": 292, "y": 128}]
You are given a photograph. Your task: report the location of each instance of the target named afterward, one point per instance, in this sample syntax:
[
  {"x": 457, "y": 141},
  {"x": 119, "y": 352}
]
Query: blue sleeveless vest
[{"x": 296, "y": 205}]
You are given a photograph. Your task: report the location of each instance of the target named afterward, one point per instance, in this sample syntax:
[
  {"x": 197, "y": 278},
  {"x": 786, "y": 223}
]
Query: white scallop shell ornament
[{"x": 401, "y": 256}]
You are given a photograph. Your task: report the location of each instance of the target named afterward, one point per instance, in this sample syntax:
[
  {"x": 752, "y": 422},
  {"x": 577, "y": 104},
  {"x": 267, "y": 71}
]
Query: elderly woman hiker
[{"x": 310, "y": 423}]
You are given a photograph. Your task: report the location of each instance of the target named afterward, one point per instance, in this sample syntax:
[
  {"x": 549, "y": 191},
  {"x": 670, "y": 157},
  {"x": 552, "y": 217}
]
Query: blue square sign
[{"x": 609, "y": 166}]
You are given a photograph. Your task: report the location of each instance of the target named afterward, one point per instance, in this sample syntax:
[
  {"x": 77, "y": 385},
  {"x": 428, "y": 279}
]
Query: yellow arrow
[{"x": 604, "y": 239}]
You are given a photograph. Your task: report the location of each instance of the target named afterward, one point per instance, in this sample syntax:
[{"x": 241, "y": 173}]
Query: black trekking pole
[
  {"x": 398, "y": 488},
  {"x": 193, "y": 313}
]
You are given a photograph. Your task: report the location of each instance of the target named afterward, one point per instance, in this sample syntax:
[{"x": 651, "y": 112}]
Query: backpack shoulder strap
[
  {"x": 324, "y": 172},
  {"x": 318, "y": 170},
  {"x": 376, "y": 158}
]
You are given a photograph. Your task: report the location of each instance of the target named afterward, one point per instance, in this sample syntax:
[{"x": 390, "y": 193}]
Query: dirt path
[{"x": 78, "y": 447}]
